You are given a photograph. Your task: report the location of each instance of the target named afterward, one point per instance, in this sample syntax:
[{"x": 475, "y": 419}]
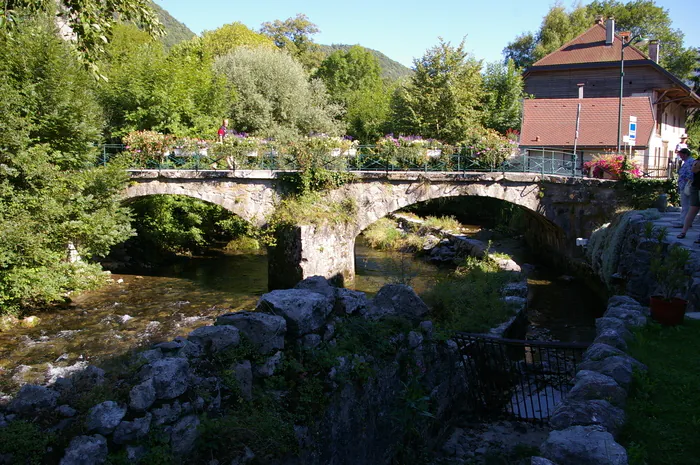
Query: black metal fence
[{"x": 517, "y": 379}]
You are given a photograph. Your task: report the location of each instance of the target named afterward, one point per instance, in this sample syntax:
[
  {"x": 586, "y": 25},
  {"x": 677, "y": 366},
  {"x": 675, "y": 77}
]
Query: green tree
[
  {"x": 441, "y": 99},
  {"x": 275, "y": 97},
  {"x": 522, "y": 50},
  {"x": 353, "y": 79},
  {"x": 50, "y": 195},
  {"x": 147, "y": 88},
  {"x": 344, "y": 71},
  {"x": 293, "y": 35},
  {"x": 230, "y": 36},
  {"x": 89, "y": 21},
  {"x": 502, "y": 96}
]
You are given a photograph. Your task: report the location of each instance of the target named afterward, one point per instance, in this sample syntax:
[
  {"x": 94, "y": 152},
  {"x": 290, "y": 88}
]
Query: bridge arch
[
  {"x": 252, "y": 199},
  {"x": 376, "y": 200}
]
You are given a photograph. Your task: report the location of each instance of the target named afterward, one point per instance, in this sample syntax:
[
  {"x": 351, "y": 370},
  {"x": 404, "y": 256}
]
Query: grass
[
  {"x": 315, "y": 209},
  {"x": 663, "y": 411},
  {"x": 470, "y": 299},
  {"x": 445, "y": 223}
]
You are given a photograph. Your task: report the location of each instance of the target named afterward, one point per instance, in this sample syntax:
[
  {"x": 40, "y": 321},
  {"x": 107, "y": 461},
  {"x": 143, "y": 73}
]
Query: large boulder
[
  {"x": 170, "y": 376},
  {"x": 611, "y": 338},
  {"x": 142, "y": 396},
  {"x": 599, "y": 351},
  {"x": 622, "y": 300},
  {"x": 583, "y": 445},
  {"x": 586, "y": 413},
  {"x": 167, "y": 413},
  {"x": 320, "y": 285},
  {"x": 349, "y": 302},
  {"x": 215, "y": 339},
  {"x": 304, "y": 311},
  {"x": 32, "y": 398},
  {"x": 86, "y": 450},
  {"x": 128, "y": 431},
  {"x": 631, "y": 316},
  {"x": 591, "y": 385},
  {"x": 615, "y": 324},
  {"x": 618, "y": 367},
  {"x": 266, "y": 332},
  {"x": 397, "y": 300},
  {"x": 104, "y": 417},
  {"x": 184, "y": 435}
]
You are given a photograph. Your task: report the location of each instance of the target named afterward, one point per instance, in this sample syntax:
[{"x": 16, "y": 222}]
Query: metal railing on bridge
[{"x": 364, "y": 158}]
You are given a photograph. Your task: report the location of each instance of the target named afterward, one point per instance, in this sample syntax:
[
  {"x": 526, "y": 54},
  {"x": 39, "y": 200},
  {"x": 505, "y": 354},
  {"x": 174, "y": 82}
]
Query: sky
[{"x": 404, "y": 30}]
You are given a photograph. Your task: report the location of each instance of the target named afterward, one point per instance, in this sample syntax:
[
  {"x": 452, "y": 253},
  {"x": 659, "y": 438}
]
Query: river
[{"x": 138, "y": 310}]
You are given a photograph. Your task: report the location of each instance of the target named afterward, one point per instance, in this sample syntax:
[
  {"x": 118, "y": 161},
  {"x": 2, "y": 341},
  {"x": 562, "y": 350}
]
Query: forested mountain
[
  {"x": 175, "y": 31},
  {"x": 391, "y": 69}
]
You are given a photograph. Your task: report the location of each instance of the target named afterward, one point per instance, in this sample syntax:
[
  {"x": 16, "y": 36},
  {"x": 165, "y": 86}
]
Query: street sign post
[{"x": 632, "y": 130}]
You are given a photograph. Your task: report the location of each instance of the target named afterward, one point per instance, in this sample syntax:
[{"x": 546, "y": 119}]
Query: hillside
[
  {"x": 391, "y": 69},
  {"x": 175, "y": 31}
]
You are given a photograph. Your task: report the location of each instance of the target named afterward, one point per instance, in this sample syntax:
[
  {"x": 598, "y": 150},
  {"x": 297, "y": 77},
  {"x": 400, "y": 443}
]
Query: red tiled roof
[
  {"x": 590, "y": 47},
  {"x": 552, "y": 122}
]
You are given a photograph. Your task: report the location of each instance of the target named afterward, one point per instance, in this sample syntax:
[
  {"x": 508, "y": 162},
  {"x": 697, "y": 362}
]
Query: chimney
[
  {"x": 599, "y": 19},
  {"x": 610, "y": 31},
  {"x": 580, "y": 89},
  {"x": 654, "y": 50}
]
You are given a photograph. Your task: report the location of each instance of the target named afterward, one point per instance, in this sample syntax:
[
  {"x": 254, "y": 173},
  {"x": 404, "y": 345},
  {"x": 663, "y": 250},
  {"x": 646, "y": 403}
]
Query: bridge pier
[{"x": 304, "y": 251}]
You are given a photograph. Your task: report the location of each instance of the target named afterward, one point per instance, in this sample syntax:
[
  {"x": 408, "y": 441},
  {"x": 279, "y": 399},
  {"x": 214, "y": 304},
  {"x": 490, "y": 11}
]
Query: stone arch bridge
[{"x": 558, "y": 209}]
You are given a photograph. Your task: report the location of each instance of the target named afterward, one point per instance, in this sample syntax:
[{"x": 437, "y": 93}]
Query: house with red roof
[{"x": 578, "y": 106}]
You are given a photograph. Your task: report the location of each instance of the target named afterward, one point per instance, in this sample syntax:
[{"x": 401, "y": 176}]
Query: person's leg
[
  {"x": 685, "y": 205},
  {"x": 692, "y": 211}
]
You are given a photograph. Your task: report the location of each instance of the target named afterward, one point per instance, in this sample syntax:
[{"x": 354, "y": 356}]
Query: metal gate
[{"x": 523, "y": 380}]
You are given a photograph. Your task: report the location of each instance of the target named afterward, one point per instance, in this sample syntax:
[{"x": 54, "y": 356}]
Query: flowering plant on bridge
[
  {"x": 488, "y": 148},
  {"x": 611, "y": 165},
  {"x": 406, "y": 151},
  {"x": 148, "y": 146}
]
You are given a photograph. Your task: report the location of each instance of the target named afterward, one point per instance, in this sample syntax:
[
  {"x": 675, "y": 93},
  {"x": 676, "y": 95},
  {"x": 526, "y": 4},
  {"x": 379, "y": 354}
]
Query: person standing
[
  {"x": 685, "y": 176},
  {"x": 223, "y": 130},
  {"x": 694, "y": 200},
  {"x": 683, "y": 144}
]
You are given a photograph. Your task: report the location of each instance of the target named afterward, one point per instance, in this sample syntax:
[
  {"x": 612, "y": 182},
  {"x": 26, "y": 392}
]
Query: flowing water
[{"x": 138, "y": 310}]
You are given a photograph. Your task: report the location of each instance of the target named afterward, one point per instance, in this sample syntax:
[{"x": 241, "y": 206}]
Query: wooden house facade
[{"x": 577, "y": 105}]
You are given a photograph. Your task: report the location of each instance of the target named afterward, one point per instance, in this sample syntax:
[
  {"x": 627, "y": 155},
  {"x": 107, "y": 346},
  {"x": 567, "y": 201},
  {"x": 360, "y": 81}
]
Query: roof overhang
[{"x": 680, "y": 93}]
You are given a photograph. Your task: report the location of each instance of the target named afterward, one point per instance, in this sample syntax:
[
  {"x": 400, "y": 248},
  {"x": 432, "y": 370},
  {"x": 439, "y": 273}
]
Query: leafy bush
[{"x": 24, "y": 441}]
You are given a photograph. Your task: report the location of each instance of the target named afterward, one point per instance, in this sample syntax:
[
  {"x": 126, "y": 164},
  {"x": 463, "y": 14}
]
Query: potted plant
[{"x": 669, "y": 269}]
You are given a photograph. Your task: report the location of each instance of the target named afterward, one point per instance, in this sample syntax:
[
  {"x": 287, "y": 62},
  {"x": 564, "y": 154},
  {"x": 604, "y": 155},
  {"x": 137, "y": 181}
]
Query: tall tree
[
  {"x": 502, "y": 97},
  {"x": 442, "y": 97},
  {"x": 353, "y": 79},
  {"x": 294, "y": 36},
  {"x": 147, "y": 88},
  {"x": 274, "y": 96},
  {"x": 50, "y": 193}
]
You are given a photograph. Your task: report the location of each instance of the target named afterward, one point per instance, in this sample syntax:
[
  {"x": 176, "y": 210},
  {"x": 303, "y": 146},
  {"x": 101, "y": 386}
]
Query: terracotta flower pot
[{"x": 667, "y": 312}]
